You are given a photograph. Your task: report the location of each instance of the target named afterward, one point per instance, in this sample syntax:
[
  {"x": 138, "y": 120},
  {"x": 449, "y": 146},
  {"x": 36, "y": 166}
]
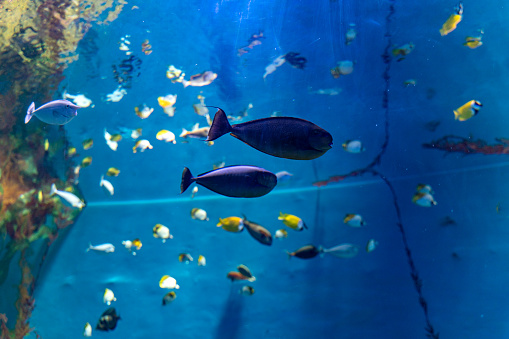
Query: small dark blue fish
[
  {"x": 108, "y": 320},
  {"x": 282, "y": 137},
  {"x": 57, "y": 112},
  {"x": 233, "y": 181}
]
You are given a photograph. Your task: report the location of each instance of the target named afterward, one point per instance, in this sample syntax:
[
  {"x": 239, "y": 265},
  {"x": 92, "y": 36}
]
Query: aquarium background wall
[{"x": 435, "y": 270}]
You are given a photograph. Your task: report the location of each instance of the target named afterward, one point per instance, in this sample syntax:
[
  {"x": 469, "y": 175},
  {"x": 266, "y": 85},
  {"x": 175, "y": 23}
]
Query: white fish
[
  {"x": 111, "y": 144},
  {"x": 108, "y": 187},
  {"x": 79, "y": 99},
  {"x": 117, "y": 95},
  {"x": 200, "y": 80},
  {"x": 106, "y": 248},
  {"x": 274, "y": 65},
  {"x": 56, "y": 112},
  {"x": 202, "y": 261},
  {"x": 422, "y": 188},
  {"x": 424, "y": 199},
  {"x": 343, "y": 251},
  {"x": 353, "y": 146},
  {"x": 87, "y": 332},
  {"x": 195, "y": 190},
  {"x": 108, "y": 297},
  {"x": 168, "y": 282},
  {"x": 142, "y": 145},
  {"x": 371, "y": 245},
  {"x": 354, "y": 220},
  {"x": 67, "y": 198}
]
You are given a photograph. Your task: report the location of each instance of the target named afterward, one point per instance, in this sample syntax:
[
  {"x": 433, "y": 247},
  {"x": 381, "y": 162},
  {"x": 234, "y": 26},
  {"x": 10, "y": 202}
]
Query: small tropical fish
[
  {"x": 116, "y": 137},
  {"x": 142, "y": 145},
  {"x": 169, "y": 297},
  {"x": 233, "y": 181},
  {"x": 136, "y": 133},
  {"x": 199, "y": 214},
  {"x": 196, "y": 132},
  {"x": 274, "y": 65},
  {"x": 167, "y": 103},
  {"x": 280, "y": 234},
  {"x": 236, "y": 276},
  {"x": 106, "y": 185},
  {"x": 354, "y": 220},
  {"x": 128, "y": 244},
  {"x": 86, "y": 162},
  {"x": 409, "y": 82},
  {"x": 175, "y": 74},
  {"x": 67, "y": 198},
  {"x": 371, "y": 245},
  {"x": 258, "y": 232},
  {"x": 105, "y": 248},
  {"x": 453, "y": 20},
  {"x": 343, "y": 67},
  {"x": 46, "y": 145},
  {"x": 113, "y": 172},
  {"x": 219, "y": 164},
  {"x": 292, "y": 221},
  {"x": 244, "y": 270},
  {"x": 194, "y": 191},
  {"x": 108, "y": 320},
  {"x": 282, "y": 137},
  {"x": 79, "y": 99},
  {"x": 305, "y": 252},
  {"x": 231, "y": 224},
  {"x": 168, "y": 282},
  {"x": 423, "y": 188},
  {"x": 403, "y": 50},
  {"x": 40, "y": 196},
  {"x": 71, "y": 151},
  {"x": 57, "y": 112},
  {"x": 202, "y": 261},
  {"x": 87, "y": 332},
  {"x": 161, "y": 232},
  {"x": 145, "y": 111},
  {"x": 247, "y": 290},
  {"x": 108, "y": 297},
  {"x": 343, "y": 251},
  {"x": 87, "y": 144},
  {"x": 199, "y": 80},
  {"x": 185, "y": 258},
  {"x": 165, "y": 135},
  {"x": 200, "y": 109},
  {"x": 353, "y": 146},
  {"x": 283, "y": 176},
  {"x": 423, "y": 199},
  {"x": 473, "y": 42},
  {"x": 350, "y": 34},
  {"x": 117, "y": 95},
  {"x": 467, "y": 111},
  {"x": 111, "y": 144}
]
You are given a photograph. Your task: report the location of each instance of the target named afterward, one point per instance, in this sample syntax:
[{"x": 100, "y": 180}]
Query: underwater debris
[
  {"x": 254, "y": 40},
  {"x": 452, "y": 143}
]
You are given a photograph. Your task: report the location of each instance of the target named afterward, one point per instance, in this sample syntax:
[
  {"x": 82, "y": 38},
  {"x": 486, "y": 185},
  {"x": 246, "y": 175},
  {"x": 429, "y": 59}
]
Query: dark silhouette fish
[
  {"x": 108, "y": 320},
  {"x": 233, "y": 181},
  {"x": 260, "y": 233},
  {"x": 282, "y": 137},
  {"x": 306, "y": 252}
]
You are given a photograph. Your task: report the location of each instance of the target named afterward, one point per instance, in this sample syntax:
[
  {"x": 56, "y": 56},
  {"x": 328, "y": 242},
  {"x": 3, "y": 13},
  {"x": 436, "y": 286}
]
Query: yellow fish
[
  {"x": 116, "y": 137},
  {"x": 292, "y": 221},
  {"x": 467, "y": 111},
  {"x": 473, "y": 42},
  {"x": 231, "y": 224},
  {"x": 137, "y": 243},
  {"x": 113, "y": 172},
  {"x": 453, "y": 21},
  {"x": 87, "y": 144},
  {"x": 166, "y": 135},
  {"x": 46, "y": 144},
  {"x": 86, "y": 162},
  {"x": 71, "y": 151}
]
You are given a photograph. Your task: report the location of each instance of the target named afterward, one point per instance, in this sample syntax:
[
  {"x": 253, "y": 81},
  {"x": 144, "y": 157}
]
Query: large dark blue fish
[
  {"x": 233, "y": 181},
  {"x": 282, "y": 137},
  {"x": 56, "y": 112}
]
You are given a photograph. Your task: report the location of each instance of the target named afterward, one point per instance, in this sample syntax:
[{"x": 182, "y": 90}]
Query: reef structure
[
  {"x": 38, "y": 39},
  {"x": 452, "y": 143}
]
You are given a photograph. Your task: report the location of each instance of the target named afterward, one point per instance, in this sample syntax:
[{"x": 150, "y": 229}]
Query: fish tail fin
[
  {"x": 53, "y": 190},
  {"x": 187, "y": 180},
  {"x": 185, "y": 83},
  {"x": 89, "y": 247},
  {"x": 289, "y": 255},
  {"x": 30, "y": 112},
  {"x": 101, "y": 182},
  {"x": 220, "y": 126},
  {"x": 184, "y": 133},
  {"x": 320, "y": 250},
  {"x": 456, "y": 115}
]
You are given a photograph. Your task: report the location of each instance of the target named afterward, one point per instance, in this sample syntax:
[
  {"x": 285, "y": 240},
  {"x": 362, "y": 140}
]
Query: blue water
[{"x": 462, "y": 266}]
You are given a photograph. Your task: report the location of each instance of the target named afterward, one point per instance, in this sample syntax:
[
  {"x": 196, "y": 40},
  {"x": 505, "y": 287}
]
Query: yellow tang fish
[
  {"x": 113, "y": 172},
  {"x": 86, "y": 162},
  {"x": 467, "y": 111},
  {"x": 87, "y": 144},
  {"x": 453, "y": 21},
  {"x": 292, "y": 221},
  {"x": 231, "y": 224}
]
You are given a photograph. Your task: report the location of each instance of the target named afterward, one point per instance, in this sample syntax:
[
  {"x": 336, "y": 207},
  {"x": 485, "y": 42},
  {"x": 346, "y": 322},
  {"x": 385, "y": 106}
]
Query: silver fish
[
  {"x": 343, "y": 251},
  {"x": 106, "y": 248},
  {"x": 57, "y": 112},
  {"x": 67, "y": 198}
]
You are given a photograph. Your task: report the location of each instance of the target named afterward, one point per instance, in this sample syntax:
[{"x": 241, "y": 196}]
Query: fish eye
[{"x": 67, "y": 106}]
